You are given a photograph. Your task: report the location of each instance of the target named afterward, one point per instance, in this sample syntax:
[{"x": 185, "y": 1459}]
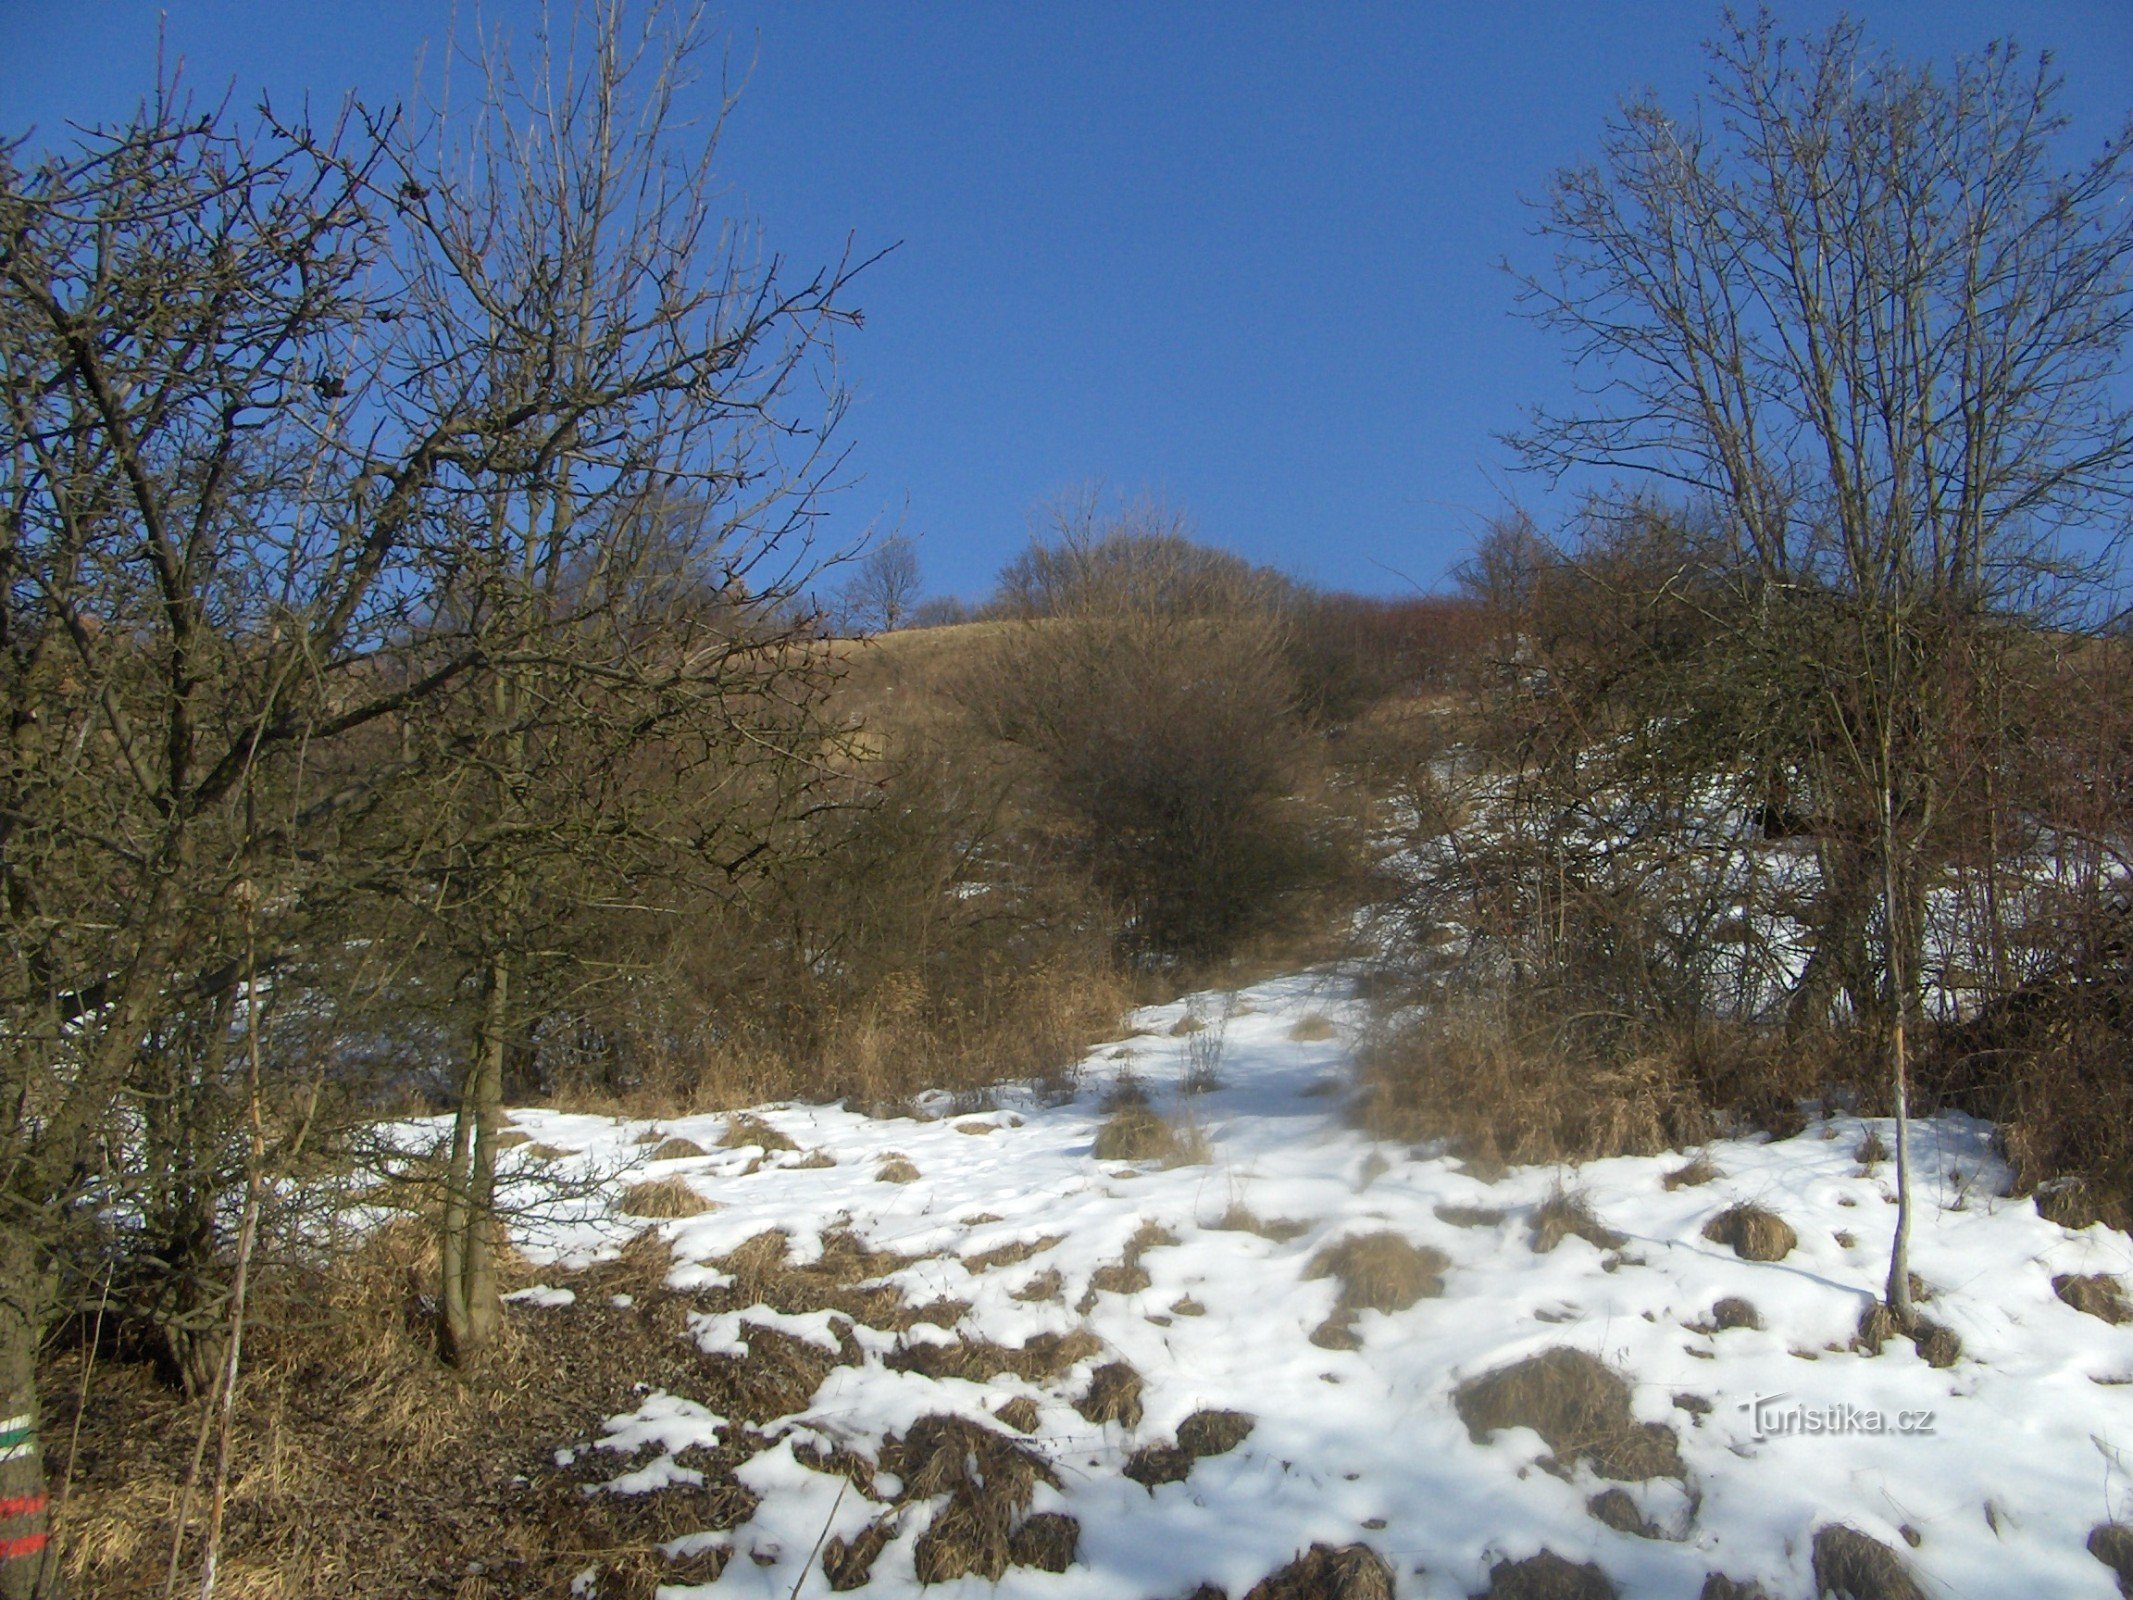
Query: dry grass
[
  {"x": 1547, "y": 1576},
  {"x": 1328, "y": 1572},
  {"x": 1849, "y": 1563},
  {"x": 1240, "y": 1218},
  {"x": 662, "y": 1198},
  {"x": 1752, "y": 1233},
  {"x": 1020, "y": 1414},
  {"x": 1008, "y": 1255},
  {"x": 989, "y": 1479},
  {"x": 1579, "y": 1406},
  {"x": 677, "y": 1149},
  {"x": 2112, "y": 1544},
  {"x": 1312, "y": 1029},
  {"x": 1697, "y": 1171},
  {"x": 1717, "y": 1586},
  {"x": 1618, "y": 1509},
  {"x": 1038, "y": 1359},
  {"x": 1113, "y": 1395},
  {"x": 744, "y": 1129},
  {"x": 2094, "y": 1293},
  {"x": 1380, "y": 1271},
  {"x": 1471, "y": 1216},
  {"x": 1046, "y": 1285},
  {"x": 1564, "y": 1215},
  {"x": 1203, "y": 1434},
  {"x": 346, "y": 1409},
  {"x": 1137, "y": 1133},
  {"x": 1731, "y": 1311},
  {"x": 1936, "y": 1345},
  {"x": 896, "y": 1169},
  {"x": 1480, "y": 1076}
]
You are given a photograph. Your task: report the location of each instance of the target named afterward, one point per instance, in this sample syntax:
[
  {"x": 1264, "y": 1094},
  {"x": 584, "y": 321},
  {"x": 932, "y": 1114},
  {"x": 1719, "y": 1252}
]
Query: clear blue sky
[{"x": 1241, "y": 255}]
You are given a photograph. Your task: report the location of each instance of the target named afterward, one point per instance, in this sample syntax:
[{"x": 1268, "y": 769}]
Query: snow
[{"x": 2020, "y": 1459}]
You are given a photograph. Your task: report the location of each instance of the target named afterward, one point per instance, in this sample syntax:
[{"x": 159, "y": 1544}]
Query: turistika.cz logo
[{"x": 1780, "y": 1416}]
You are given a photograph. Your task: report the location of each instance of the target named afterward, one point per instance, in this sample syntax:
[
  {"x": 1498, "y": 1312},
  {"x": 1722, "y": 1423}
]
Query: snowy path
[{"x": 2021, "y": 1461}]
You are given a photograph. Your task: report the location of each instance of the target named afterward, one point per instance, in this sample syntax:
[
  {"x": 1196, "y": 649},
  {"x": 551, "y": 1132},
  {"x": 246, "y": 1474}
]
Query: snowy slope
[{"x": 2020, "y": 1459}]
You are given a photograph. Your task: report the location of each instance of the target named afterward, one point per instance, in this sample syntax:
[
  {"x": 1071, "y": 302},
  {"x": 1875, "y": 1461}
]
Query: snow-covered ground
[{"x": 1998, "y": 1465}]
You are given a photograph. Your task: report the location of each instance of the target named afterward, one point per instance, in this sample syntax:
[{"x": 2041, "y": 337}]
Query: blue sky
[{"x": 1242, "y": 256}]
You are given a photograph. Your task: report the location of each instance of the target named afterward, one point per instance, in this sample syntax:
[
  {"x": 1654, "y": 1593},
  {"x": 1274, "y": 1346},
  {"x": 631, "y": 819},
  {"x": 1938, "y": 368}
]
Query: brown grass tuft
[
  {"x": 1565, "y": 1215},
  {"x": 1753, "y": 1233},
  {"x": 1717, "y": 1586},
  {"x": 1136, "y": 1133},
  {"x": 1007, "y": 1255},
  {"x": 1936, "y": 1345},
  {"x": 1041, "y": 1357},
  {"x": 677, "y": 1149},
  {"x": 1380, "y": 1271},
  {"x": 1547, "y": 1576},
  {"x": 1505, "y": 1090},
  {"x": 1328, "y": 1572},
  {"x": 1204, "y": 1433},
  {"x": 744, "y": 1128},
  {"x": 1048, "y": 1542},
  {"x": 1020, "y": 1414},
  {"x": 1113, "y": 1395},
  {"x": 1239, "y": 1218},
  {"x": 662, "y": 1198},
  {"x": 1700, "y": 1169},
  {"x": 848, "y": 1564},
  {"x": 1579, "y": 1405},
  {"x": 896, "y": 1169},
  {"x": 1618, "y": 1509},
  {"x": 1046, "y": 1285},
  {"x": 1849, "y": 1563},
  {"x": 2112, "y": 1544},
  {"x": 548, "y": 1152},
  {"x": 1731, "y": 1311},
  {"x": 989, "y": 1479},
  {"x": 2096, "y": 1293}
]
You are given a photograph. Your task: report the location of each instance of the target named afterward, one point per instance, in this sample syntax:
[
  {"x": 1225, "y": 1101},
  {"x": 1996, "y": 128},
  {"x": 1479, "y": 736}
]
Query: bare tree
[
  {"x": 1858, "y": 306},
  {"x": 884, "y": 587},
  {"x": 618, "y": 557}
]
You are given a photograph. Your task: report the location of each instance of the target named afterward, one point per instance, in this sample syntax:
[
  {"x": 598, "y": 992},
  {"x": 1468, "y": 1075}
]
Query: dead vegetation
[
  {"x": 1328, "y": 1572},
  {"x": 346, "y": 1409},
  {"x": 1566, "y": 1215},
  {"x": 1376, "y": 1272},
  {"x": 2112, "y": 1544},
  {"x": 677, "y": 1149},
  {"x": 989, "y": 1480},
  {"x": 2096, "y": 1294},
  {"x": 1547, "y": 1576},
  {"x": 1240, "y": 1218},
  {"x": 744, "y": 1129},
  {"x": 1008, "y": 1255},
  {"x": 1113, "y": 1395},
  {"x": 1203, "y": 1434},
  {"x": 662, "y": 1198},
  {"x": 1752, "y": 1233},
  {"x": 1936, "y": 1345},
  {"x": 1138, "y": 1133},
  {"x": 896, "y": 1169},
  {"x": 1312, "y": 1029},
  {"x": 1698, "y": 1170},
  {"x": 1579, "y": 1406},
  {"x": 1848, "y": 1562},
  {"x": 1039, "y": 1359}
]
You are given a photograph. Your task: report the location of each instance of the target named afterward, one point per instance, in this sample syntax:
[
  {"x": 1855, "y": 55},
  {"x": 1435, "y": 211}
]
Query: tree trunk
[
  {"x": 29, "y": 1563},
  {"x": 468, "y": 1299},
  {"x": 1897, "y": 924}
]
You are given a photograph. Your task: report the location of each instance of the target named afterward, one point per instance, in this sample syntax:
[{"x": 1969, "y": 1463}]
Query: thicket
[{"x": 1798, "y": 774}]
